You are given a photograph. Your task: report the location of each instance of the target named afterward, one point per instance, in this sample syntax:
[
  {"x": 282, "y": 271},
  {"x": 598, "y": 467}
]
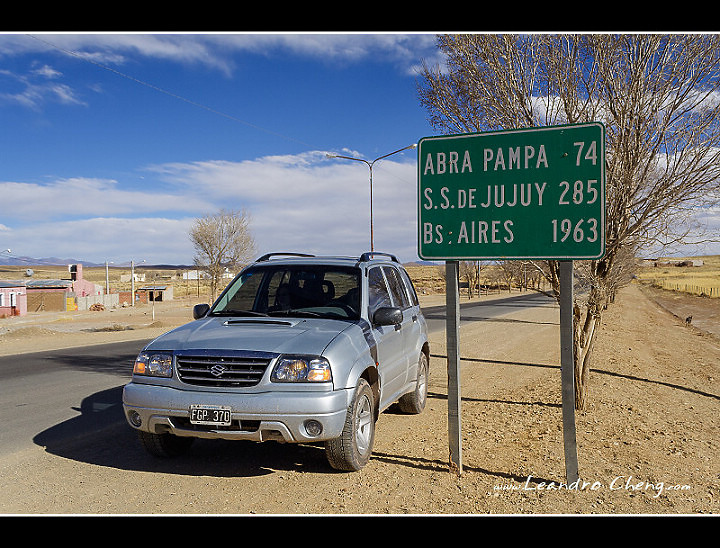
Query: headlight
[
  {"x": 154, "y": 364},
  {"x": 301, "y": 369}
]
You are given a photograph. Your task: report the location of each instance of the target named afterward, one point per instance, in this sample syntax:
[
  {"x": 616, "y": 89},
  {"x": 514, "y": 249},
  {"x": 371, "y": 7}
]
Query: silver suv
[{"x": 296, "y": 349}]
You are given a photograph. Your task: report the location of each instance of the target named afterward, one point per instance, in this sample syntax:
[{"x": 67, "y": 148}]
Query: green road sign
[{"x": 535, "y": 193}]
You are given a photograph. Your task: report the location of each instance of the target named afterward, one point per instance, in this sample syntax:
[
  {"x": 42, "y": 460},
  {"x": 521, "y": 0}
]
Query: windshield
[{"x": 293, "y": 290}]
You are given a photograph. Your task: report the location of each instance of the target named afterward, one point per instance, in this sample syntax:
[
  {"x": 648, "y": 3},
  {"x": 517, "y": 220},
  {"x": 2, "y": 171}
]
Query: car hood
[{"x": 276, "y": 335}]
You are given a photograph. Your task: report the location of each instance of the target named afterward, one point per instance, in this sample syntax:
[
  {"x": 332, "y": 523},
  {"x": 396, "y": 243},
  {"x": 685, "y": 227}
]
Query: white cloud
[
  {"x": 308, "y": 203},
  {"x": 36, "y": 88},
  {"x": 304, "y": 203},
  {"x": 47, "y": 72},
  {"x": 85, "y": 197},
  {"x": 119, "y": 240},
  {"x": 215, "y": 50},
  {"x": 298, "y": 203}
]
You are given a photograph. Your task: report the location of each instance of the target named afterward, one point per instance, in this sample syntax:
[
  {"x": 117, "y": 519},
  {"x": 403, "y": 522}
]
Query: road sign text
[{"x": 533, "y": 193}]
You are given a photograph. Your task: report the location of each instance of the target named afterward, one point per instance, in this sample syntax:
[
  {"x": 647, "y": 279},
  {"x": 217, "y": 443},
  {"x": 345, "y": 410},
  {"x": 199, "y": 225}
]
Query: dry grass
[
  {"x": 428, "y": 279},
  {"x": 181, "y": 288},
  {"x": 695, "y": 280}
]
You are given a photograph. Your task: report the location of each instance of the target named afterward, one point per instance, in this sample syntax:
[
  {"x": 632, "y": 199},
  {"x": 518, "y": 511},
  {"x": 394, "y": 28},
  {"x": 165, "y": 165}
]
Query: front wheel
[{"x": 352, "y": 450}]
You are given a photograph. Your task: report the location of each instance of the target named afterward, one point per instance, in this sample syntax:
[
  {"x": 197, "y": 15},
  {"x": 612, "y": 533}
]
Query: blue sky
[{"x": 112, "y": 144}]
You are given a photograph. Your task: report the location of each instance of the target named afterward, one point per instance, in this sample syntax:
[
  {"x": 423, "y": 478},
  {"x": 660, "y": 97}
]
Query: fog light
[
  {"x": 313, "y": 428},
  {"x": 134, "y": 418}
]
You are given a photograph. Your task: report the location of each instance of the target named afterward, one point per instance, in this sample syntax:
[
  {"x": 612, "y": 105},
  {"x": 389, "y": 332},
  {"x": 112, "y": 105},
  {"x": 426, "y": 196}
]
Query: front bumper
[{"x": 257, "y": 416}]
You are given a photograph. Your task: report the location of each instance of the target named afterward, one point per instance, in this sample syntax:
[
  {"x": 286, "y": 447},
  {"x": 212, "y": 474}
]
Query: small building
[
  {"x": 50, "y": 295},
  {"x": 60, "y": 295},
  {"x": 124, "y": 278},
  {"x": 670, "y": 262},
  {"x": 13, "y": 299},
  {"x": 154, "y": 293},
  {"x": 195, "y": 275}
]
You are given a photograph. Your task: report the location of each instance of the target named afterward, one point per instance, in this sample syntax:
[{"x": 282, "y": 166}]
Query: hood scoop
[{"x": 258, "y": 321}]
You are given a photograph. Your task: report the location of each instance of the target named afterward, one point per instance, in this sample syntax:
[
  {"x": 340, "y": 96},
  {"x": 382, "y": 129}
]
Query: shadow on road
[
  {"x": 522, "y": 300},
  {"x": 101, "y": 436},
  {"x": 597, "y": 371}
]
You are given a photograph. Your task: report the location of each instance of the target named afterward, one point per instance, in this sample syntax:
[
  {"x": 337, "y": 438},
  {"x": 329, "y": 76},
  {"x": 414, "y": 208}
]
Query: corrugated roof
[
  {"x": 12, "y": 283},
  {"x": 33, "y": 284}
]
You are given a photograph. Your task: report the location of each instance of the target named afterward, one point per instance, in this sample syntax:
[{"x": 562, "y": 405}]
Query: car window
[
  {"x": 410, "y": 288},
  {"x": 241, "y": 294},
  {"x": 378, "y": 294},
  {"x": 397, "y": 290}
]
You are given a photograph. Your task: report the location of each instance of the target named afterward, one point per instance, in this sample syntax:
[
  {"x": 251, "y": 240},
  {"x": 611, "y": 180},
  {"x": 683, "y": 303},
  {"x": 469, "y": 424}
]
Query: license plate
[{"x": 214, "y": 415}]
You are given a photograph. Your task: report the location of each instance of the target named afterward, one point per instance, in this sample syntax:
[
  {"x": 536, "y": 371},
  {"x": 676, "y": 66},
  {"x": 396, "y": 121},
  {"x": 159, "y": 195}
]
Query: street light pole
[{"x": 370, "y": 165}]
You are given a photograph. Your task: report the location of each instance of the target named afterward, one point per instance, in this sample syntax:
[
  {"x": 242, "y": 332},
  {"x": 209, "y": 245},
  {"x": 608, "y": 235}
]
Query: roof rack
[
  {"x": 366, "y": 256},
  {"x": 267, "y": 256}
]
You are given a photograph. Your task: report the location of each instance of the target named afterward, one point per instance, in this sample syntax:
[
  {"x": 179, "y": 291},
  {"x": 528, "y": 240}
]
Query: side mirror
[
  {"x": 200, "y": 311},
  {"x": 388, "y": 316}
]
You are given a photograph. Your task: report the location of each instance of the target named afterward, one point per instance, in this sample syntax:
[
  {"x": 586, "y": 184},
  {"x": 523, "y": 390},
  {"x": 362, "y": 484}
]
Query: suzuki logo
[{"x": 217, "y": 370}]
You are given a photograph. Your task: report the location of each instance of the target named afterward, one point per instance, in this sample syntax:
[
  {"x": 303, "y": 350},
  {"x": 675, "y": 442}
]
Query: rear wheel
[
  {"x": 352, "y": 450},
  {"x": 414, "y": 402},
  {"x": 164, "y": 445}
]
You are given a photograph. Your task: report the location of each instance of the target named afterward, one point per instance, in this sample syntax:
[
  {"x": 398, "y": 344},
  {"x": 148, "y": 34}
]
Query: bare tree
[
  {"x": 470, "y": 270},
  {"x": 222, "y": 240},
  {"x": 659, "y": 99},
  {"x": 510, "y": 272}
]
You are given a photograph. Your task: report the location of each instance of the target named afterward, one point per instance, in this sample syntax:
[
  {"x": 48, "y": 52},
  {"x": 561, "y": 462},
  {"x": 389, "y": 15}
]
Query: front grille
[{"x": 228, "y": 370}]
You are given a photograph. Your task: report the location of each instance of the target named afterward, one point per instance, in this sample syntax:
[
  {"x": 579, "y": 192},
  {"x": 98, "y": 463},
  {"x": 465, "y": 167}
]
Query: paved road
[
  {"x": 53, "y": 399},
  {"x": 55, "y": 396},
  {"x": 492, "y": 310}
]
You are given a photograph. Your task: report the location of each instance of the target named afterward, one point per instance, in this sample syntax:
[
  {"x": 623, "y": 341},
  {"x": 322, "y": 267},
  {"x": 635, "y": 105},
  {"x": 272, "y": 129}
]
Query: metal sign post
[
  {"x": 533, "y": 193},
  {"x": 453, "y": 367},
  {"x": 567, "y": 364}
]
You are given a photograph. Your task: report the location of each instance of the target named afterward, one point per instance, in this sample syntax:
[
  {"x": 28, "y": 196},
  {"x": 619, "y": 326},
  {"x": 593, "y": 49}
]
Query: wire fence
[{"x": 692, "y": 288}]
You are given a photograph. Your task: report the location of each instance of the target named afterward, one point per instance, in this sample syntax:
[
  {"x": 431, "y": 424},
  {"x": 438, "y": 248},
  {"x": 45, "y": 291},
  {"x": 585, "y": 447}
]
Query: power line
[{"x": 166, "y": 92}]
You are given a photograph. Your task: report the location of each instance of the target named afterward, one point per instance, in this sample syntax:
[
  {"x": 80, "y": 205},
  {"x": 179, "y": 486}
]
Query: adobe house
[
  {"x": 13, "y": 299},
  {"x": 156, "y": 293},
  {"x": 50, "y": 295},
  {"x": 59, "y": 295}
]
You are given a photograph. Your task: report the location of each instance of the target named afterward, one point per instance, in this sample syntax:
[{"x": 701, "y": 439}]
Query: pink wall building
[
  {"x": 13, "y": 299},
  {"x": 80, "y": 286}
]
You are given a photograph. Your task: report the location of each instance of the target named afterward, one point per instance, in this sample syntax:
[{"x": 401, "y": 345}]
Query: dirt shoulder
[
  {"x": 700, "y": 312},
  {"x": 647, "y": 444},
  {"x": 39, "y": 331}
]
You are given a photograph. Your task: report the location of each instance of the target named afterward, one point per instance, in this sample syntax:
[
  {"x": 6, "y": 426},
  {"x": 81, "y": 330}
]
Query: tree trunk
[
  {"x": 583, "y": 341},
  {"x": 586, "y": 320}
]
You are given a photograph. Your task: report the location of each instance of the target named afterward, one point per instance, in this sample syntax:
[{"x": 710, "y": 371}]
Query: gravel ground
[{"x": 647, "y": 444}]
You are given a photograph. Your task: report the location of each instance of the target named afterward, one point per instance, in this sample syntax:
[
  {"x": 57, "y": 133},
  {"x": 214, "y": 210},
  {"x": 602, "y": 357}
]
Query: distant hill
[
  {"x": 48, "y": 261},
  {"x": 57, "y": 261}
]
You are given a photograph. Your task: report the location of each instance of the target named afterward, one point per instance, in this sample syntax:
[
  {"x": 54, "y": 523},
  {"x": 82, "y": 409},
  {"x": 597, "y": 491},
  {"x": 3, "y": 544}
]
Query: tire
[
  {"x": 351, "y": 451},
  {"x": 414, "y": 402},
  {"x": 164, "y": 445}
]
